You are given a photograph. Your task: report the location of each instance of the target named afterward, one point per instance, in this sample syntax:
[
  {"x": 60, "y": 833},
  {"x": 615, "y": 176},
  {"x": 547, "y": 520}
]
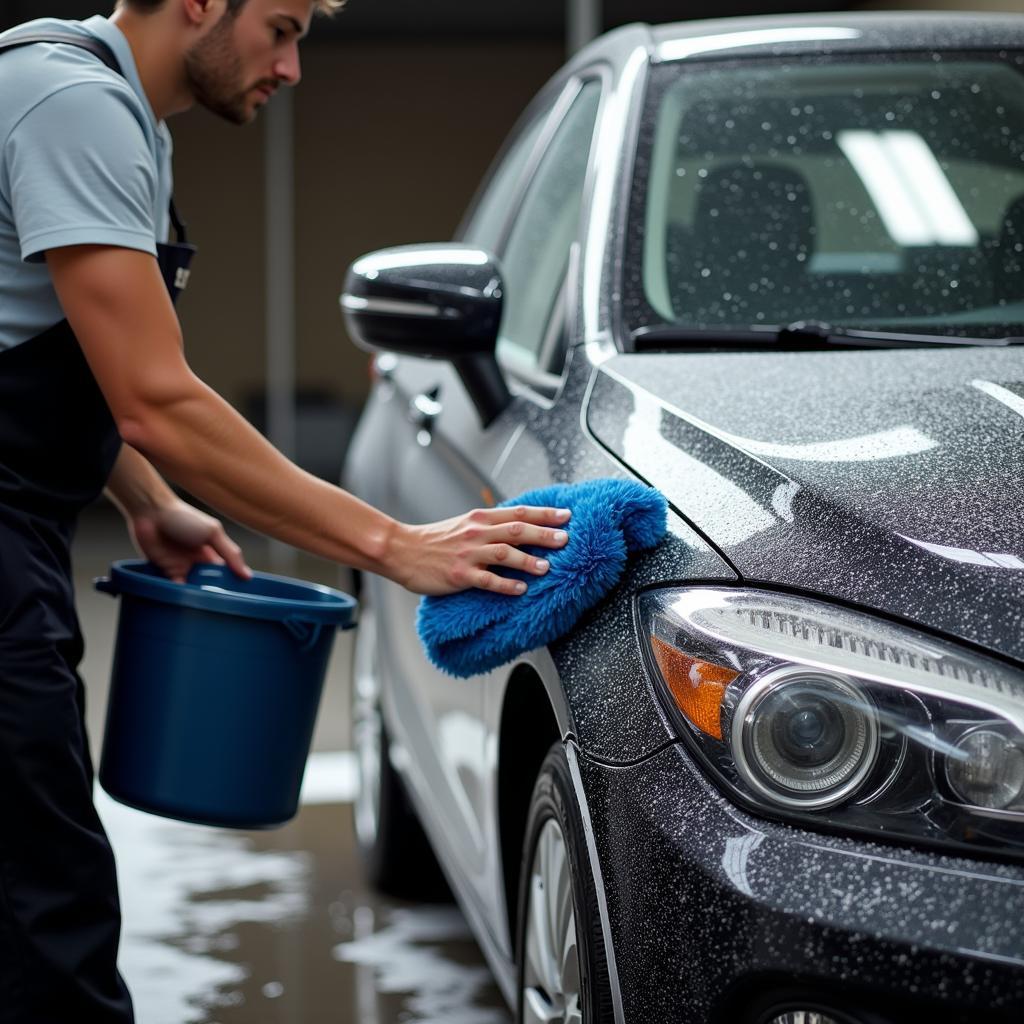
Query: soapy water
[{"x": 222, "y": 926}]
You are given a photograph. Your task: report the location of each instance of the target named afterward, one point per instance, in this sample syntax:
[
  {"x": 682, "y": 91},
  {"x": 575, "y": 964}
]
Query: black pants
[{"x": 59, "y": 913}]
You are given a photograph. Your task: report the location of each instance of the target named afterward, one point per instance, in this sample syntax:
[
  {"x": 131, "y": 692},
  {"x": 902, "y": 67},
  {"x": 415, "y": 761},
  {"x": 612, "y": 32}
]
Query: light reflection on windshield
[{"x": 914, "y": 198}]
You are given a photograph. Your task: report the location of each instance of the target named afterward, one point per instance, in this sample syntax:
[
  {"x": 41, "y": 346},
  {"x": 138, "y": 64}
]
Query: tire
[
  {"x": 555, "y": 859},
  {"x": 395, "y": 852}
]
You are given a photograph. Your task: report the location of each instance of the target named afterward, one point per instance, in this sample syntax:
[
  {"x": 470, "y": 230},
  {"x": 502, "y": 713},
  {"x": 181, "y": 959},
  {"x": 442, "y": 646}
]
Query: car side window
[
  {"x": 537, "y": 253},
  {"x": 487, "y": 220}
]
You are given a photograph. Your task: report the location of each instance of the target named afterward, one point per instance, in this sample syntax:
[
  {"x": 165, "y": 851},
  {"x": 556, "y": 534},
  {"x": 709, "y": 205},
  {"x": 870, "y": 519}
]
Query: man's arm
[
  {"x": 118, "y": 307},
  {"x": 166, "y": 530}
]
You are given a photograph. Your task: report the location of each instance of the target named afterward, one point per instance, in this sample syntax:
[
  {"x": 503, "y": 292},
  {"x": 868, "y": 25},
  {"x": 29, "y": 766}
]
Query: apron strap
[
  {"x": 179, "y": 225},
  {"x": 95, "y": 46},
  {"x": 98, "y": 49}
]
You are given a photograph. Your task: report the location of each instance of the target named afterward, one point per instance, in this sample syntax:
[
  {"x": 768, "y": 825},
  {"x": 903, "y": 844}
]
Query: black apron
[{"x": 59, "y": 911}]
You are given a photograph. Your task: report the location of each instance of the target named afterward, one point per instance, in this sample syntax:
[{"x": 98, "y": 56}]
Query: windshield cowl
[{"x": 799, "y": 335}]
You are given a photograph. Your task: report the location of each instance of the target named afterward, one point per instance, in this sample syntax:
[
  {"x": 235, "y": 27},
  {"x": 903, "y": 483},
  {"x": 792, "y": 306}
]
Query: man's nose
[{"x": 287, "y": 68}]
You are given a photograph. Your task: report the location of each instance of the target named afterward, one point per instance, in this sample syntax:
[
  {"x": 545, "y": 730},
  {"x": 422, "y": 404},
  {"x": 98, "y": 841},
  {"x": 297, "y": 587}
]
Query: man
[{"x": 90, "y": 357}]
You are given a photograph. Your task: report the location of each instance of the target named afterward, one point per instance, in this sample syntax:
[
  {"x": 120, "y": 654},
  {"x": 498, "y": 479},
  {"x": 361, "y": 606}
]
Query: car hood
[{"x": 893, "y": 480}]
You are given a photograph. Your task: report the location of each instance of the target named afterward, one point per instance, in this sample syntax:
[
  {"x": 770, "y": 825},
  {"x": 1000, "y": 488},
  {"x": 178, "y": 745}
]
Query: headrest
[
  {"x": 1009, "y": 267},
  {"x": 755, "y": 210}
]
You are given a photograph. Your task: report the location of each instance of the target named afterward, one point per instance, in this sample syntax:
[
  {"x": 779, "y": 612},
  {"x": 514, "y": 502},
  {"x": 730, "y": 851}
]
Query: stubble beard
[{"x": 214, "y": 73}]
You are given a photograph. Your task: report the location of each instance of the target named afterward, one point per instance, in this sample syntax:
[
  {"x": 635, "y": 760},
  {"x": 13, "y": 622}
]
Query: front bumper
[{"x": 715, "y": 913}]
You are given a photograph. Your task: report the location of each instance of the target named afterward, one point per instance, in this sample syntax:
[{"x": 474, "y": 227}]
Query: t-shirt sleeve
[{"x": 81, "y": 172}]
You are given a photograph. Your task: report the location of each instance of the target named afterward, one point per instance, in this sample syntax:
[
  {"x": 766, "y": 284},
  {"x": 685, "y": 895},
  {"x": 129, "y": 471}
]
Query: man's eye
[{"x": 279, "y": 34}]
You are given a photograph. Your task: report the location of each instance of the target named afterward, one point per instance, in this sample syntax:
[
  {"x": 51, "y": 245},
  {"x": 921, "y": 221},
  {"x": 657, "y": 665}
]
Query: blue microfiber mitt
[{"x": 476, "y": 630}]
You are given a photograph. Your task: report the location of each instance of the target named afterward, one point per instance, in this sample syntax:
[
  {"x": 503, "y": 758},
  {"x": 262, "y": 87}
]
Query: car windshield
[{"x": 882, "y": 194}]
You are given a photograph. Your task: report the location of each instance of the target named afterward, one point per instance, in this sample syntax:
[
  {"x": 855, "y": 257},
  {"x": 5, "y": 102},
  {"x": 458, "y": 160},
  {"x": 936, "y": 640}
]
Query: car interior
[{"x": 743, "y": 215}]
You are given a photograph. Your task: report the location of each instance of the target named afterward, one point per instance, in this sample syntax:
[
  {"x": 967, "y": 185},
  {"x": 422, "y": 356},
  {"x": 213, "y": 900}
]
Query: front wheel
[{"x": 563, "y": 972}]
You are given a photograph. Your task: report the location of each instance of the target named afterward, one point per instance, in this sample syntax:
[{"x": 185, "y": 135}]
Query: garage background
[{"x": 401, "y": 108}]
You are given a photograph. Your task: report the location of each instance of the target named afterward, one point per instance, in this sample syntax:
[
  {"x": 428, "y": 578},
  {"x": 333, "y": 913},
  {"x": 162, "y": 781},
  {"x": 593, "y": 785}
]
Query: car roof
[{"x": 771, "y": 35}]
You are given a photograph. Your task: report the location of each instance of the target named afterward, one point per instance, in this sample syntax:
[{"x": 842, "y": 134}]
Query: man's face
[{"x": 241, "y": 60}]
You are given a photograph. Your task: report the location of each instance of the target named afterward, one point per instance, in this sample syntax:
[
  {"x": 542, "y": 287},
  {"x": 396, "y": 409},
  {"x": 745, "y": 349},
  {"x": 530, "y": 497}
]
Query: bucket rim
[{"x": 136, "y": 577}]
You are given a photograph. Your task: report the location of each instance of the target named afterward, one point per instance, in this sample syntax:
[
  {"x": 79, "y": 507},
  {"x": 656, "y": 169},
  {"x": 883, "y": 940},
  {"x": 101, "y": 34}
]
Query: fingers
[
  {"x": 486, "y": 580},
  {"x": 501, "y": 532},
  {"x": 519, "y": 533},
  {"x": 209, "y": 555},
  {"x": 227, "y": 549},
  {"x": 520, "y": 524},
  {"x": 536, "y": 514},
  {"x": 463, "y": 548},
  {"x": 512, "y": 558}
]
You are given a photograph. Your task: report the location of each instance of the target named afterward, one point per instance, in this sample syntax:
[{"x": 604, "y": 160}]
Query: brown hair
[{"x": 234, "y": 6}]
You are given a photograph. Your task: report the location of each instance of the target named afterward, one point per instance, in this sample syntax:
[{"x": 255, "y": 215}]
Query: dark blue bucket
[{"x": 214, "y": 693}]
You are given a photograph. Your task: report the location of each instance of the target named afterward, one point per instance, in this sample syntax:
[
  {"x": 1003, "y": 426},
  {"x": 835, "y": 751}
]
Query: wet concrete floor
[{"x": 274, "y": 927}]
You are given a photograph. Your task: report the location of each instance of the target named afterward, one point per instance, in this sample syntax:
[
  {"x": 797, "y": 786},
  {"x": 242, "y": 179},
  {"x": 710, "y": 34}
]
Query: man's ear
[{"x": 199, "y": 12}]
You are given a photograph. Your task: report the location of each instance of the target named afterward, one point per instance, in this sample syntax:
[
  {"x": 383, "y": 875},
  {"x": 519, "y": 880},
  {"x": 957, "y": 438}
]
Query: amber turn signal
[{"x": 697, "y": 686}]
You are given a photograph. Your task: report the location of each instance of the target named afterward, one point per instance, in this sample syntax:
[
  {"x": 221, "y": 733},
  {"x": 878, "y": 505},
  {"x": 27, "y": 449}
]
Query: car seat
[{"x": 752, "y": 240}]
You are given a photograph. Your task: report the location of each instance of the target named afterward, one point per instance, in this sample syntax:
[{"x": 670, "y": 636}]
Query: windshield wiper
[{"x": 802, "y": 334}]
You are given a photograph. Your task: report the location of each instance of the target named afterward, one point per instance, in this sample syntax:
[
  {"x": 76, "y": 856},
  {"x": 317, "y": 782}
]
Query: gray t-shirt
[{"x": 83, "y": 161}]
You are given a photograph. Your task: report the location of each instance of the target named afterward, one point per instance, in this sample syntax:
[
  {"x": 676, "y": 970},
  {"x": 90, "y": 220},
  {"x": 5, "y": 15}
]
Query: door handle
[
  {"x": 384, "y": 365},
  {"x": 424, "y": 409}
]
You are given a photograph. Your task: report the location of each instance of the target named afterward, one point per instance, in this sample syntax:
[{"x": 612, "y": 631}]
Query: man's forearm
[{"x": 198, "y": 440}]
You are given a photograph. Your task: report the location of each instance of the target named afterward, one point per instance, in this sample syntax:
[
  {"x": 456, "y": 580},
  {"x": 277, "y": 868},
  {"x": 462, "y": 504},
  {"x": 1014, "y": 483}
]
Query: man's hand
[
  {"x": 455, "y": 554},
  {"x": 166, "y": 530},
  {"x": 177, "y": 536}
]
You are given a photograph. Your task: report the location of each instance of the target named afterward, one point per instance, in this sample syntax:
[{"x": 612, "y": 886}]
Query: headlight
[
  {"x": 804, "y": 739},
  {"x": 811, "y": 712}
]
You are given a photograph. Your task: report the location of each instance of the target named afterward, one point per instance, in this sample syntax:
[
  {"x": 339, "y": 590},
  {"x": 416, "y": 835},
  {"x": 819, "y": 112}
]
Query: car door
[{"x": 448, "y": 460}]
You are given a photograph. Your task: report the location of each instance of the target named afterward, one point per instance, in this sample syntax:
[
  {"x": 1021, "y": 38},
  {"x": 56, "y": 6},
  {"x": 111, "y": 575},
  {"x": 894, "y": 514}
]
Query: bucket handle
[
  {"x": 305, "y": 632},
  {"x": 105, "y": 585}
]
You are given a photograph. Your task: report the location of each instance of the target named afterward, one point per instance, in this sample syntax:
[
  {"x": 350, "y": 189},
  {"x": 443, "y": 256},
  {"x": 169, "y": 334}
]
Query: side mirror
[{"x": 434, "y": 302}]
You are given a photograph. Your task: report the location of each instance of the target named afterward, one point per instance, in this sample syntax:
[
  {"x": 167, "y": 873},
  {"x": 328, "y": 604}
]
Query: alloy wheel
[{"x": 551, "y": 978}]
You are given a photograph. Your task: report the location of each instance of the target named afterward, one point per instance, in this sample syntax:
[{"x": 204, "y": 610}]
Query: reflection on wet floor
[{"x": 277, "y": 927}]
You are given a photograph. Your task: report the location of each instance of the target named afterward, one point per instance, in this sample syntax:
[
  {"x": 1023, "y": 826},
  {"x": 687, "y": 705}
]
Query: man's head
[
  {"x": 236, "y": 52},
  {"x": 148, "y": 6}
]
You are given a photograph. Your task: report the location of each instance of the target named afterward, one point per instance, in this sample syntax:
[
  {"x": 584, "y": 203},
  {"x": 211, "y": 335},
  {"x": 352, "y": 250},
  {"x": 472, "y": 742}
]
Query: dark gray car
[{"x": 775, "y": 268}]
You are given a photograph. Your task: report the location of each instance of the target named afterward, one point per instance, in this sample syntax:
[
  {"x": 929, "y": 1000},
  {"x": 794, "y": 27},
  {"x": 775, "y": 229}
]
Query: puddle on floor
[
  {"x": 277, "y": 927},
  {"x": 415, "y": 952}
]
